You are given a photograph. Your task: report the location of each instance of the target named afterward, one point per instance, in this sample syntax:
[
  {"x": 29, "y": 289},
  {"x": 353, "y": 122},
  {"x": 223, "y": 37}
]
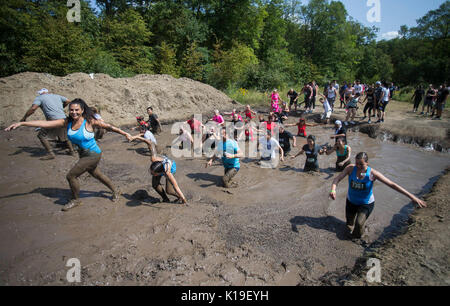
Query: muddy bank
[
  {"x": 417, "y": 255},
  {"x": 402, "y": 126}
]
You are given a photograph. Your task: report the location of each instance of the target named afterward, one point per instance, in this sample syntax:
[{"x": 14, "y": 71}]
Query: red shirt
[{"x": 195, "y": 125}]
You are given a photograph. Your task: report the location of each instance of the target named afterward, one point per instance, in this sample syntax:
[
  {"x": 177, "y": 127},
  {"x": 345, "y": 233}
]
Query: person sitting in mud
[
  {"x": 301, "y": 126},
  {"x": 229, "y": 150},
  {"x": 163, "y": 166},
  {"x": 312, "y": 150},
  {"x": 99, "y": 132},
  {"x": 52, "y": 106},
  {"x": 80, "y": 130},
  {"x": 360, "y": 198},
  {"x": 343, "y": 153}
]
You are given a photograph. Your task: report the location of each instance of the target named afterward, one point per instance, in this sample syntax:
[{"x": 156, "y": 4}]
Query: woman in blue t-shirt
[
  {"x": 80, "y": 130},
  {"x": 360, "y": 198}
]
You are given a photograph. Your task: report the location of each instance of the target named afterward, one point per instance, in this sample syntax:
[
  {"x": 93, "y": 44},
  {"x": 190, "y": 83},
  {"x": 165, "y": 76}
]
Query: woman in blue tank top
[
  {"x": 360, "y": 198},
  {"x": 80, "y": 130}
]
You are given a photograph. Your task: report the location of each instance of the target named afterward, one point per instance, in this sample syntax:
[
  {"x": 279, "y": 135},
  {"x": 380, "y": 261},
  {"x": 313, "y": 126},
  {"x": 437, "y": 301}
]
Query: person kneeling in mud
[
  {"x": 360, "y": 197},
  {"x": 163, "y": 166},
  {"x": 230, "y": 152}
]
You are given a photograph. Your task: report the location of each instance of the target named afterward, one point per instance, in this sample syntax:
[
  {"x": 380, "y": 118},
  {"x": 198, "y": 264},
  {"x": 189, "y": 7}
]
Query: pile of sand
[{"x": 119, "y": 100}]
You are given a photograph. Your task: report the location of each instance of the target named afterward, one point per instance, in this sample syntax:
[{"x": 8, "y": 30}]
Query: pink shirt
[
  {"x": 275, "y": 97},
  {"x": 218, "y": 119}
]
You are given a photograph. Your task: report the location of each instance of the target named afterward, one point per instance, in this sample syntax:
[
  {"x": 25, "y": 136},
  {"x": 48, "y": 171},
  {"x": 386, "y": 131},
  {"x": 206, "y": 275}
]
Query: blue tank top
[
  {"x": 166, "y": 162},
  {"x": 360, "y": 192},
  {"x": 83, "y": 138}
]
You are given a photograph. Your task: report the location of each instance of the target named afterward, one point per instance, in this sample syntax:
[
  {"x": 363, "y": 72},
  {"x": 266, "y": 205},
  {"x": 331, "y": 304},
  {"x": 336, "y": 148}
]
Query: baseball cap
[
  {"x": 43, "y": 91},
  {"x": 378, "y": 83},
  {"x": 338, "y": 122}
]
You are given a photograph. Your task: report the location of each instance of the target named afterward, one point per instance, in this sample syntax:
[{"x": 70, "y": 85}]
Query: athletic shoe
[
  {"x": 71, "y": 204},
  {"x": 48, "y": 157},
  {"x": 352, "y": 122},
  {"x": 116, "y": 195},
  {"x": 364, "y": 118},
  {"x": 382, "y": 120},
  {"x": 421, "y": 113},
  {"x": 369, "y": 121},
  {"x": 378, "y": 121}
]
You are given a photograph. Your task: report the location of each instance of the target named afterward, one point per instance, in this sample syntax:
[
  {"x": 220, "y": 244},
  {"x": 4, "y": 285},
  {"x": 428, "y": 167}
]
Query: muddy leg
[
  {"x": 42, "y": 135},
  {"x": 228, "y": 177},
  {"x": 156, "y": 183}
]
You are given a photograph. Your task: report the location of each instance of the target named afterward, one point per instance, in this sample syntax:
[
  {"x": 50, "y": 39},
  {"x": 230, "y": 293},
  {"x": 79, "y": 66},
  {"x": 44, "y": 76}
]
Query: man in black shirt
[
  {"x": 284, "y": 140},
  {"x": 417, "y": 96},
  {"x": 153, "y": 121},
  {"x": 340, "y": 131},
  {"x": 293, "y": 95},
  {"x": 441, "y": 99}
]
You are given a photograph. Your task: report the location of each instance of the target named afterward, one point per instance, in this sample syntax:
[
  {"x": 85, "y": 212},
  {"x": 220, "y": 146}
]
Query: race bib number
[
  {"x": 311, "y": 160},
  {"x": 358, "y": 186}
]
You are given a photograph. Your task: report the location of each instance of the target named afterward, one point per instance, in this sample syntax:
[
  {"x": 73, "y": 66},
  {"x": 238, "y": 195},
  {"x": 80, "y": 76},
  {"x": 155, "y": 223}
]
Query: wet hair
[
  {"x": 362, "y": 155},
  {"x": 149, "y": 108},
  {"x": 313, "y": 138},
  {"x": 341, "y": 138},
  {"x": 157, "y": 167},
  {"x": 88, "y": 114},
  {"x": 95, "y": 110}
]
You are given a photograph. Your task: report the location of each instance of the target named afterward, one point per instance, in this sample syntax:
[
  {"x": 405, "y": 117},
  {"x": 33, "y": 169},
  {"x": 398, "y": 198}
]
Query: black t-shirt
[
  {"x": 430, "y": 92},
  {"x": 419, "y": 94},
  {"x": 284, "y": 140},
  {"x": 442, "y": 93},
  {"x": 292, "y": 95},
  {"x": 311, "y": 155},
  {"x": 341, "y": 130},
  {"x": 307, "y": 92},
  {"x": 378, "y": 92},
  {"x": 152, "y": 120}
]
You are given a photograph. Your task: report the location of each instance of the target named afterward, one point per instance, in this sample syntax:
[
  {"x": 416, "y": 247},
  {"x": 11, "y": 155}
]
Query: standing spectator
[
  {"x": 342, "y": 91},
  {"x": 441, "y": 99},
  {"x": 308, "y": 91},
  {"x": 315, "y": 89},
  {"x": 430, "y": 96},
  {"x": 384, "y": 102},
  {"x": 417, "y": 97},
  {"x": 52, "y": 106}
]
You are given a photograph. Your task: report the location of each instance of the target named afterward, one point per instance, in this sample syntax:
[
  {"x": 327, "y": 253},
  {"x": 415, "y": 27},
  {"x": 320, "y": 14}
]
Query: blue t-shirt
[{"x": 230, "y": 147}]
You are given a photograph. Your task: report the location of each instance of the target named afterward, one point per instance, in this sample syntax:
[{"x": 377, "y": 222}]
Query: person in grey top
[{"x": 52, "y": 106}]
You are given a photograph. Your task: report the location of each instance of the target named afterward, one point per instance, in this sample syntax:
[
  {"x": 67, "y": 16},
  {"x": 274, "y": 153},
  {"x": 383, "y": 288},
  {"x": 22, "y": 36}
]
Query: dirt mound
[{"x": 119, "y": 100}]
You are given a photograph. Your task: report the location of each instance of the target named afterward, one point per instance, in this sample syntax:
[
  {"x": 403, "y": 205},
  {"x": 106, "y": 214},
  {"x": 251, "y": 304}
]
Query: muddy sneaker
[
  {"x": 48, "y": 157},
  {"x": 363, "y": 118},
  {"x": 370, "y": 121},
  {"x": 116, "y": 195},
  {"x": 71, "y": 204},
  {"x": 72, "y": 153}
]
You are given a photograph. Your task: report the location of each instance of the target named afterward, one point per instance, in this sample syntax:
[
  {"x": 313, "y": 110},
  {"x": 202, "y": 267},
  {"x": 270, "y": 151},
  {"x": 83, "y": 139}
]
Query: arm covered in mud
[
  {"x": 377, "y": 175},
  {"x": 109, "y": 127},
  {"x": 339, "y": 178},
  {"x": 175, "y": 186}
]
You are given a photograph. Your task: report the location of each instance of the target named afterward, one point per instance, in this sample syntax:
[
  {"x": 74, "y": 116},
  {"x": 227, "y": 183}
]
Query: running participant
[
  {"x": 342, "y": 91},
  {"x": 312, "y": 150},
  {"x": 331, "y": 94},
  {"x": 153, "y": 121},
  {"x": 360, "y": 198},
  {"x": 229, "y": 150},
  {"x": 384, "y": 102},
  {"x": 301, "y": 126},
  {"x": 293, "y": 96},
  {"x": 80, "y": 130},
  {"x": 315, "y": 91},
  {"x": 352, "y": 106},
  {"x": 430, "y": 96},
  {"x": 52, "y": 106},
  {"x": 163, "y": 166},
  {"x": 308, "y": 91},
  {"x": 274, "y": 101},
  {"x": 285, "y": 144},
  {"x": 326, "y": 109},
  {"x": 417, "y": 97},
  {"x": 348, "y": 94},
  {"x": 370, "y": 105},
  {"x": 343, "y": 153}
]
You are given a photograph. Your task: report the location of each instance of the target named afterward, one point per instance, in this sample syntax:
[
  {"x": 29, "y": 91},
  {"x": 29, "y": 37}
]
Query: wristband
[{"x": 333, "y": 191}]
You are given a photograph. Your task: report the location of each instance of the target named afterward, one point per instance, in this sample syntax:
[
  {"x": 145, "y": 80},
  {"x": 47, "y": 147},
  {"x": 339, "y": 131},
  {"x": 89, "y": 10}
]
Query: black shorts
[
  {"x": 428, "y": 102},
  {"x": 382, "y": 106},
  {"x": 352, "y": 209},
  {"x": 292, "y": 102}
]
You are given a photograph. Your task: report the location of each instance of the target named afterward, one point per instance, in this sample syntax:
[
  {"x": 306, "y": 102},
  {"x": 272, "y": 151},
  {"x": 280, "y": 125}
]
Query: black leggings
[{"x": 358, "y": 213}]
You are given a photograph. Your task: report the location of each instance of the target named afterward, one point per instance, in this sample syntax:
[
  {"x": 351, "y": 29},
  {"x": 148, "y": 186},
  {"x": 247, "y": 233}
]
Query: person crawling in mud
[
  {"x": 80, "y": 131},
  {"x": 229, "y": 150},
  {"x": 163, "y": 166},
  {"x": 360, "y": 198}
]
